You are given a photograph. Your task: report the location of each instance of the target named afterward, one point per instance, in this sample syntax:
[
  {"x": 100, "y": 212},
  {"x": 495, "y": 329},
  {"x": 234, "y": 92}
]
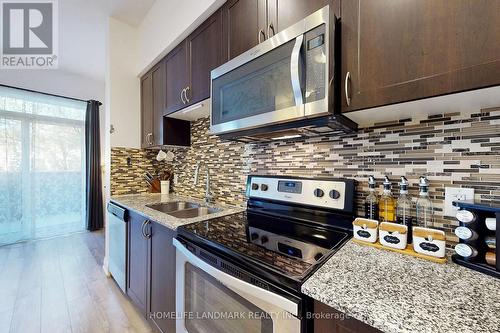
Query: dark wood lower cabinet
[
  {"x": 333, "y": 321},
  {"x": 151, "y": 271},
  {"x": 138, "y": 251},
  {"x": 162, "y": 278}
]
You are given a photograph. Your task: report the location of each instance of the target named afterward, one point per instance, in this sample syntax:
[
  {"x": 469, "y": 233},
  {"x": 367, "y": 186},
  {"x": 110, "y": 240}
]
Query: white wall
[
  {"x": 122, "y": 84},
  {"x": 166, "y": 24},
  {"x": 54, "y": 81}
]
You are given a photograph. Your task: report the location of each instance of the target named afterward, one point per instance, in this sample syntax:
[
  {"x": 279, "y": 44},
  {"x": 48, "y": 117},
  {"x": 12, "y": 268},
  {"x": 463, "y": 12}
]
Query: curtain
[
  {"x": 94, "y": 216},
  {"x": 42, "y": 160}
]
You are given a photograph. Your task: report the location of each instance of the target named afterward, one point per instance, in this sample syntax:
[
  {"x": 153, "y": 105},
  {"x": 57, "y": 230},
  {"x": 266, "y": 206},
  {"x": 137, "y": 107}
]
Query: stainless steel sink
[
  {"x": 194, "y": 212},
  {"x": 168, "y": 207},
  {"x": 183, "y": 209}
]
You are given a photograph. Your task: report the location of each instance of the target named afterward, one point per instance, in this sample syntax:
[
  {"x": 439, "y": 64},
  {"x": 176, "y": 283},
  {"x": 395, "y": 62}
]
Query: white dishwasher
[{"x": 117, "y": 224}]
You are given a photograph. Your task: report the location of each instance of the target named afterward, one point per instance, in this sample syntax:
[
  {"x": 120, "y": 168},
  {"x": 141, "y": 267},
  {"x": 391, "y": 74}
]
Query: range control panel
[{"x": 312, "y": 192}]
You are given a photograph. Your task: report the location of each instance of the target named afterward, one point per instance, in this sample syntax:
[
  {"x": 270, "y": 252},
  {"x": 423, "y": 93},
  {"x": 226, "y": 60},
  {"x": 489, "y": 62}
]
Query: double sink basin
[{"x": 183, "y": 209}]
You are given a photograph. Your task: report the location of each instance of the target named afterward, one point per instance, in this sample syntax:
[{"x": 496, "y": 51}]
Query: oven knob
[
  {"x": 263, "y": 187},
  {"x": 255, "y": 187},
  {"x": 319, "y": 193},
  {"x": 318, "y": 256},
  {"x": 334, "y": 194},
  {"x": 254, "y": 236},
  {"x": 264, "y": 239}
]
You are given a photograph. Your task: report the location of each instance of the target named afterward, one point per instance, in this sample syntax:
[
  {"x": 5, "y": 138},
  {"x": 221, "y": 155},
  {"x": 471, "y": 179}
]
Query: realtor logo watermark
[{"x": 29, "y": 37}]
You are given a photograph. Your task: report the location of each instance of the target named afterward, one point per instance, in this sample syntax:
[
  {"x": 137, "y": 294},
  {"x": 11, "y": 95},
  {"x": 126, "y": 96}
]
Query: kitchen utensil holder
[{"x": 481, "y": 211}]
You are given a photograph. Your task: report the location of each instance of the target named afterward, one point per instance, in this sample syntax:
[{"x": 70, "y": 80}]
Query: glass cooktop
[{"x": 288, "y": 247}]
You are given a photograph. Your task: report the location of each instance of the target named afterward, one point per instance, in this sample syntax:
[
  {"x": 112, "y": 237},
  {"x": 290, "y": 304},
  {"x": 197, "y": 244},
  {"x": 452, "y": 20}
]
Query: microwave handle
[{"x": 294, "y": 70}]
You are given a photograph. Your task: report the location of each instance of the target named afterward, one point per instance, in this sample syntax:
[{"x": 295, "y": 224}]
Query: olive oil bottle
[
  {"x": 371, "y": 200},
  {"x": 404, "y": 207},
  {"x": 387, "y": 204}
]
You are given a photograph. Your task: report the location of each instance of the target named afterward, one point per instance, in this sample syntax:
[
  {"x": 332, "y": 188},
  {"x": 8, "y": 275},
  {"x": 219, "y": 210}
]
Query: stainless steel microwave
[{"x": 283, "y": 84}]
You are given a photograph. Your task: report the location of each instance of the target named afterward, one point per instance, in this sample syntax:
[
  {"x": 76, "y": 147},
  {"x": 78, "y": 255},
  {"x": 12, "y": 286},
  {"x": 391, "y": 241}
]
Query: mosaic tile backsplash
[{"x": 453, "y": 149}]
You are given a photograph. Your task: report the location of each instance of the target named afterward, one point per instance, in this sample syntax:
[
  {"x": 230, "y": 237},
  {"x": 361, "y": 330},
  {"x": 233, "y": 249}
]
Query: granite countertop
[
  {"x": 138, "y": 202},
  {"x": 399, "y": 293}
]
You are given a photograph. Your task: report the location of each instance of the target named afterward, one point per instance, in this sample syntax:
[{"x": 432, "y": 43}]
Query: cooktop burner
[{"x": 290, "y": 248}]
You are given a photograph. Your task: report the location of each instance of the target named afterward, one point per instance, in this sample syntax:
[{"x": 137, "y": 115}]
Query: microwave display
[{"x": 315, "y": 42}]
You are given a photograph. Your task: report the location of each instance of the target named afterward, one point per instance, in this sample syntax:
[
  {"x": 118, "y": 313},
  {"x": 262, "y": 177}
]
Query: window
[{"x": 42, "y": 165}]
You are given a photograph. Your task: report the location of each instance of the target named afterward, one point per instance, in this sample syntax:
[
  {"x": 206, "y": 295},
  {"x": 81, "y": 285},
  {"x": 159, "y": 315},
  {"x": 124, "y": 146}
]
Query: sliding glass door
[{"x": 42, "y": 163}]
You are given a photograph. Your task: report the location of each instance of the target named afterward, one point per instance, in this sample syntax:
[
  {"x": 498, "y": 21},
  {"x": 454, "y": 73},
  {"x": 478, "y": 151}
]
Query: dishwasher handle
[{"x": 119, "y": 212}]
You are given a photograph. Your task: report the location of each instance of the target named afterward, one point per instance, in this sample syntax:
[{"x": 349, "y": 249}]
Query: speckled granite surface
[
  {"x": 397, "y": 293},
  {"x": 138, "y": 203}
]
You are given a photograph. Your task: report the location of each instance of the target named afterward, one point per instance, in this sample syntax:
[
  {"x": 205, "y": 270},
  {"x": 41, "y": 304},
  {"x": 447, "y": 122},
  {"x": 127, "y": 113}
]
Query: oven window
[
  {"x": 212, "y": 307},
  {"x": 259, "y": 86}
]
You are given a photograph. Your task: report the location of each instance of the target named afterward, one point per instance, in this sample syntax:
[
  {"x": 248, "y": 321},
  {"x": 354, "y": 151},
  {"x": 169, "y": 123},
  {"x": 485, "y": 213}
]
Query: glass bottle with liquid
[
  {"x": 387, "y": 204},
  {"x": 371, "y": 200},
  {"x": 424, "y": 204},
  {"x": 404, "y": 207}
]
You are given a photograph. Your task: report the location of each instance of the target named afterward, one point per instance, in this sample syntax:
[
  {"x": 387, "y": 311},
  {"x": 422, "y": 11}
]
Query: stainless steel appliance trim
[
  {"x": 317, "y": 108},
  {"x": 117, "y": 249},
  {"x": 294, "y": 70},
  {"x": 264, "y": 299},
  {"x": 312, "y": 109},
  {"x": 315, "y": 19},
  {"x": 268, "y": 118}
]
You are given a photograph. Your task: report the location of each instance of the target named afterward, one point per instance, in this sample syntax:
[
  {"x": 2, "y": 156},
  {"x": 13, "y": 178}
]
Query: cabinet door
[
  {"x": 205, "y": 51},
  {"x": 243, "y": 22},
  {"x": 397, "y": 51},
  {"x": 137, "y": 262},
  {"x": 162, "y": 283},
  {"x": 284, "y": 13},
  {"x": 176, "y": 66},
  {"x": 146, "y": 110},
  {"x": 336, "y": 322},
  {"x": 158, "y": 77}
]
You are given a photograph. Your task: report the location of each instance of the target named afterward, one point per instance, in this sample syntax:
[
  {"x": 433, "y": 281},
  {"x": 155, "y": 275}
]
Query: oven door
[
  {"x": 209, "y": 300},
  {"x": 285, "y": 78}
]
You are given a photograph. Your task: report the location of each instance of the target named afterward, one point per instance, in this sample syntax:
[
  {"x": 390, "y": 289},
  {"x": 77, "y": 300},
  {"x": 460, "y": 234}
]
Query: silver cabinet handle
[
  {"x": 182, "y": 96},
  {"x": 269, "y": 28},
  {"x": 186, "y": 94},
  {"x": 295, "y": 70},
  {"x": 149, "y": 139},
  {"x": 147, "y": 234},
  {"x": 261, "y": 33},
  {"x": 346, "y": 88},
  {"x": 142, "y": 228}
]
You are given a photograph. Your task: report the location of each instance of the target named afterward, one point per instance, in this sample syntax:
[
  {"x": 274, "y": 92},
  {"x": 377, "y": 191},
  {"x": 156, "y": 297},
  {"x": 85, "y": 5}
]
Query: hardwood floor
[{"x": 58, "y": 286}]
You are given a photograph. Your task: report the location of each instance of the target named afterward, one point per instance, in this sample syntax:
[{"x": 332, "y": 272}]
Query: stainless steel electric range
[{"x": 243, "y": 272}]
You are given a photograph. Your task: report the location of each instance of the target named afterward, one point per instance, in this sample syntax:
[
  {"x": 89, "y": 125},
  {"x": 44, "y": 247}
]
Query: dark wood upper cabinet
[
  {"x": 177, "y": 78},
  {"x": 162, "y": 277},
  {"x": 137, "y": 264},
  {"x": 244, "y": 22},
  {"x": 158, "y": 77},
  {"x": 205, "y": 54},
  {"x": 284, "y": 13},
  {"x": 396, "y": 51},
  {"x": 336, "y": 322},
  {"x": 146, "y": 110}
]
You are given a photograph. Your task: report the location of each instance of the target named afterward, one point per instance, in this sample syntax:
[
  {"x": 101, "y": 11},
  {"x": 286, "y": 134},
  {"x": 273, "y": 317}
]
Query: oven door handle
[
  {"x": 295, "y": 70},
  {"x": 236, "y": 284}
]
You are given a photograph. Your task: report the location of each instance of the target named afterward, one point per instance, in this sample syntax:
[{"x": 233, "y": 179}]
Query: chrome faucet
[{"x": 208, "y": 195}]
